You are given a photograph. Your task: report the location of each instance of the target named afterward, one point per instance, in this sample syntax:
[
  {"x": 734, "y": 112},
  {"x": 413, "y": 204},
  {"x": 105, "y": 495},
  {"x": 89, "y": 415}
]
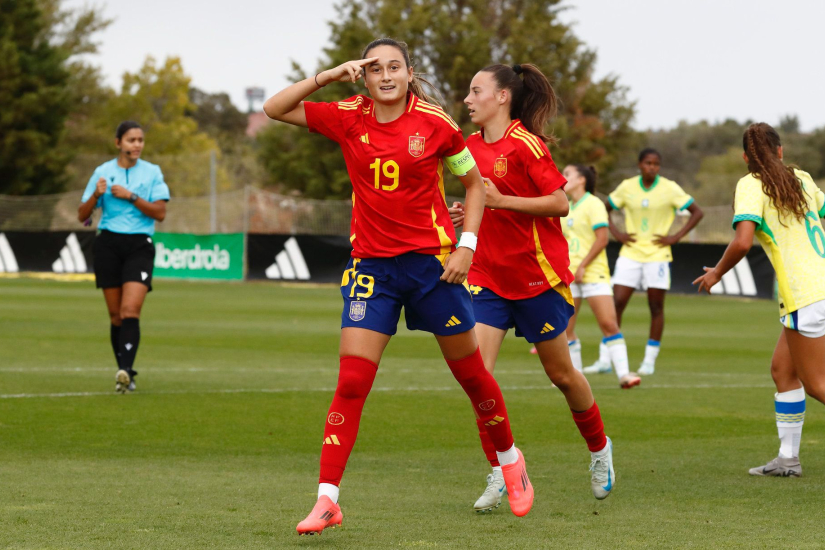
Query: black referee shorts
[{"x": 122, "y": 258}]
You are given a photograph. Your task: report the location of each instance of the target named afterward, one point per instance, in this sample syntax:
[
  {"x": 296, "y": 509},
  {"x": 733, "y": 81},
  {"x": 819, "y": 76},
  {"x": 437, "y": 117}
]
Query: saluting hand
[
  {"x": 100, "y": 188},
  {"x": 457, "y": 214},
  {"x": 346, "y": 72},
  {"x": 121, "y": 192},
  {"x": 457, "y": 265}
]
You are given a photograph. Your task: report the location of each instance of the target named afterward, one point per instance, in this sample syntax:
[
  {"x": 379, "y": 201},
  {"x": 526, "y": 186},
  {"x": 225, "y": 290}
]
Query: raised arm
[{"x": 287, "y": 105}]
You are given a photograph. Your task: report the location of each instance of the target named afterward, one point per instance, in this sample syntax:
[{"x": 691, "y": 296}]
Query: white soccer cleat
[
  {"x": 647, "y": 368},
  {"x": 629, "y": 380},
  {"x": 603, "y": 477},
  {"x": 599, "y": 367},
  {"x": 490, "y": 499},
  {"x": 122, "y": 381}
]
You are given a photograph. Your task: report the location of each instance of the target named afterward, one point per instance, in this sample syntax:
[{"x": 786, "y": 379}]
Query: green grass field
[{"x": 219, "y": 447}]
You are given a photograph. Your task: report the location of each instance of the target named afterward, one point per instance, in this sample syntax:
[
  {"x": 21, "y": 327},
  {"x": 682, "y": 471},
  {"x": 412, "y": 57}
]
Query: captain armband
[{"x": 461, "y": 163}]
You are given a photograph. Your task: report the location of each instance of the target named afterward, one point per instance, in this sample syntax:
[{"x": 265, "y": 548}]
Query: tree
[
  {"x": 450, "y": 41},
  {"x": 33, "y": 80}
]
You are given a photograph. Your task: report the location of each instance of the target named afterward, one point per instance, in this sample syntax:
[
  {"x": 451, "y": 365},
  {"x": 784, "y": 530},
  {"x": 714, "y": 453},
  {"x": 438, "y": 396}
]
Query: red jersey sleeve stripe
[
  {"x": 432, "y": 110},
  {"x": 532, "y": 137},
  {"x": 531, "y": 140}
]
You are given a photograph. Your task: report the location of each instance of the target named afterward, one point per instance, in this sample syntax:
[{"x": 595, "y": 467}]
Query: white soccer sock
[
  {"x": 604, "y": 354},
  {"x": 652, "y": 351},
  {"x": 617, "y": 348},
  {"x": 510, "y": 456},
  {"x": 790, "y": 415},
  {"x": 575, "y": 347},
  {"x": 329, "y": 490}
]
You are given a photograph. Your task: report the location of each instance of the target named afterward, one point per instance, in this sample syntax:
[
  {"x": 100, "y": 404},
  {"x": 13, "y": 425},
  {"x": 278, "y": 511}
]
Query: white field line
[{"x": 384, "y": 389}]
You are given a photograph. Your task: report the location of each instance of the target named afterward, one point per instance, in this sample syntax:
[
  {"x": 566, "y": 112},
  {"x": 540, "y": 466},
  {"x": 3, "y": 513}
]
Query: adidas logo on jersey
[
  {"x": 738, "y": 281},
  {"x": 289, "y": 263},
  {"x": 8, "y": 263},
  {"x": 71, "y": 258}
]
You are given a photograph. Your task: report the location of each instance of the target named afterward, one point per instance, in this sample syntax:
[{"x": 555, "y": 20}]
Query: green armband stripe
[
  {"x": 687, "y": 204},
  {"x": 747, "y": 218},
  {"x": 822, "y": 212},
  {"x": 599, "y": 226},
  {"x": 461, "y": 163},
  {"x": 613, "y": 204}
]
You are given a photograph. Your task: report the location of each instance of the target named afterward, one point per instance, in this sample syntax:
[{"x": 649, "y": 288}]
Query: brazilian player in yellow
[
  {"x": 650, "y": 203},
  {"x": 782, "y": 205},
  {"x": 585, "y": 229}
]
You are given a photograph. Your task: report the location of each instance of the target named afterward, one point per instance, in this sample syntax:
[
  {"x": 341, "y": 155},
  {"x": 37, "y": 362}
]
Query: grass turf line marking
[{"x": 330, "y": 390}]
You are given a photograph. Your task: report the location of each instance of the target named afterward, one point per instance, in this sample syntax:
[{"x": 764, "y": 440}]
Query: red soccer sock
[
  {"x": 591, "y": 427},
  {"x": 484, "y": 393},
  {"x": 355, "y": 379},
  {"x": 487, "y": 444}
]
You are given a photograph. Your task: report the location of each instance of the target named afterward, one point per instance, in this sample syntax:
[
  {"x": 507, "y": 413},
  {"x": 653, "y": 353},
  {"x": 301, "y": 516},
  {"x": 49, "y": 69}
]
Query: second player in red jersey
[
  {"x": 520, "y": 277},
  {"x": 523, "y": 255},
  {"x": 404, "y": 255},
  {"x": 396, "y": 172}
]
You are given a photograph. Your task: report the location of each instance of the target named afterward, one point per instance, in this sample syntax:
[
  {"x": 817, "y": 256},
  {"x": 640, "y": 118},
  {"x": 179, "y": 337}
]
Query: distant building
[{"x": 256, "y": 122}]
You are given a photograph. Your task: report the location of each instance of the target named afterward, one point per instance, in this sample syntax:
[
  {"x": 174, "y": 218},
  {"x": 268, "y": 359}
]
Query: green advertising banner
[{"x": 183, "y": 256}]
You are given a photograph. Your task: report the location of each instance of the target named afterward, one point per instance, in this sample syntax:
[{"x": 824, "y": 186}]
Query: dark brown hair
[
  {"x": 761, "y": 143},
  {"x": 649, "y": 151},
  {"x": 534, "y": 100},
  {"x": 418, "y": 81},
  {"x": 589, "y": 175},
  {"x": 124, "y": 127}
]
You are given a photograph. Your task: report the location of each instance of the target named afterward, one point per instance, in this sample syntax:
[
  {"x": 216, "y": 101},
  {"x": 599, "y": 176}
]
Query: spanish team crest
[
  {"x": 357, "y": 310},
  {"x": 416, "y": 146},
  {"x": 500, "y": 167}
]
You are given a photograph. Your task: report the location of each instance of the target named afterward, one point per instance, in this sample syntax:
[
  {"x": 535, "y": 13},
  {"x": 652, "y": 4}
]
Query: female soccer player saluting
[
  {"x": 585, "y": 228},
  {"x": 132, "y": 194},
  {"x": 520, "y": 273},
  {"x": 404, "y": 250},
  {"x": 783, "y": 206},
  {"x": 649, "y": 203}
]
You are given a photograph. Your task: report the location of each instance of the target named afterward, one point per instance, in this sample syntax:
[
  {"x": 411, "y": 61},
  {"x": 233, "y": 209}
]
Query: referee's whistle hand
[{"x": 121, "y": 192}]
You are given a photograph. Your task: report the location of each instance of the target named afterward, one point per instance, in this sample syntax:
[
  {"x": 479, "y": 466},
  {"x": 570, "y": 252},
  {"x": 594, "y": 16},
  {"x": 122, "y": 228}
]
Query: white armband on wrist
[{"x": 468, "y": 240}]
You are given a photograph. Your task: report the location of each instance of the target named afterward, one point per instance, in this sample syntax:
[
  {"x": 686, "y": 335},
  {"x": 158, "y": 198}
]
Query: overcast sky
[{"x": 681, "y": 60}]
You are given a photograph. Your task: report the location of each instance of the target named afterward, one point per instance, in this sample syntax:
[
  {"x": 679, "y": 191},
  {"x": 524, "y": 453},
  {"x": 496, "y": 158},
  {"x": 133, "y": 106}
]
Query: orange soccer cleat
[
  {"x": 325, "y": 514},
  {"x": 519, "y": 488}
]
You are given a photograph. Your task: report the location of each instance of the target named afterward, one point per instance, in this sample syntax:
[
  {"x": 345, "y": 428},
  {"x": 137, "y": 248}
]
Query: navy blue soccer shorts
[
  {"x": 536, "y": 319},
  {"x": 375, "y": 289}
]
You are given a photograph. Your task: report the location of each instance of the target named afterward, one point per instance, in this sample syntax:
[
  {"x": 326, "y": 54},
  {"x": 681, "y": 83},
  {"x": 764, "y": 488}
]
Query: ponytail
[
  {"x": 779, "y": 182},
  {"x": 534, "y": 101},
  {"x": 418, "y": 81},
  {"x": 589, "y": 175}
]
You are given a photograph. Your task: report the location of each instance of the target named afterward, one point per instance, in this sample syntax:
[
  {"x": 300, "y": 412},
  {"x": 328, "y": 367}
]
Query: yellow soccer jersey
[
  {"x": 796, "y": 249},
  {"x": 647, "y": 213},
  {"x": 586, "y": 215}
]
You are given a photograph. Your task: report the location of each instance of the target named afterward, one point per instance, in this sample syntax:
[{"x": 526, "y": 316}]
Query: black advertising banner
[
  {"x": 311, "y": 258},
  {"x": 50, "y": 251},
  {"x": 753, "y": 276}
]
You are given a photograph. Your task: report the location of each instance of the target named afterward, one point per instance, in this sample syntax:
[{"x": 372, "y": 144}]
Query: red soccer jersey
[
  {"x": 396, "y": 173},
  {"x": 519, "y": 256}
]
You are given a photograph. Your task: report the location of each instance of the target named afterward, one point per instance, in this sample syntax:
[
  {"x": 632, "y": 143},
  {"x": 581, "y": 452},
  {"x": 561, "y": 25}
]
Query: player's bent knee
[{"x": 355, "y": 377}]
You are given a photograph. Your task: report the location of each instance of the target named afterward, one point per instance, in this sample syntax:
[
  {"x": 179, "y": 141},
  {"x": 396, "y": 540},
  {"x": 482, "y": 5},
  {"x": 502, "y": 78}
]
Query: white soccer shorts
[
  {"x": 588, "y": 290},
  {"x": 640, "y": 275},
  {"x": 808, "y": 321}
]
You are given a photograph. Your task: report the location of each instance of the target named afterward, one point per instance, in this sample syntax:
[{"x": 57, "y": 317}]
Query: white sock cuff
[
  {"x": 510, "y": 456},
  {"x": 330, "y": 490},
  {"x": 793, "y": 396}
]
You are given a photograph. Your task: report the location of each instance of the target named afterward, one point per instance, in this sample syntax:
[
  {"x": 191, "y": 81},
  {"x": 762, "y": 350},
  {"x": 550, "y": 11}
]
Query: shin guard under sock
[
  {"x": 591, "y": 427},
  {"x": 129, "y": 340},
  {"x": 355, "y": 379},
  {"x": 485, "y": 395}
]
